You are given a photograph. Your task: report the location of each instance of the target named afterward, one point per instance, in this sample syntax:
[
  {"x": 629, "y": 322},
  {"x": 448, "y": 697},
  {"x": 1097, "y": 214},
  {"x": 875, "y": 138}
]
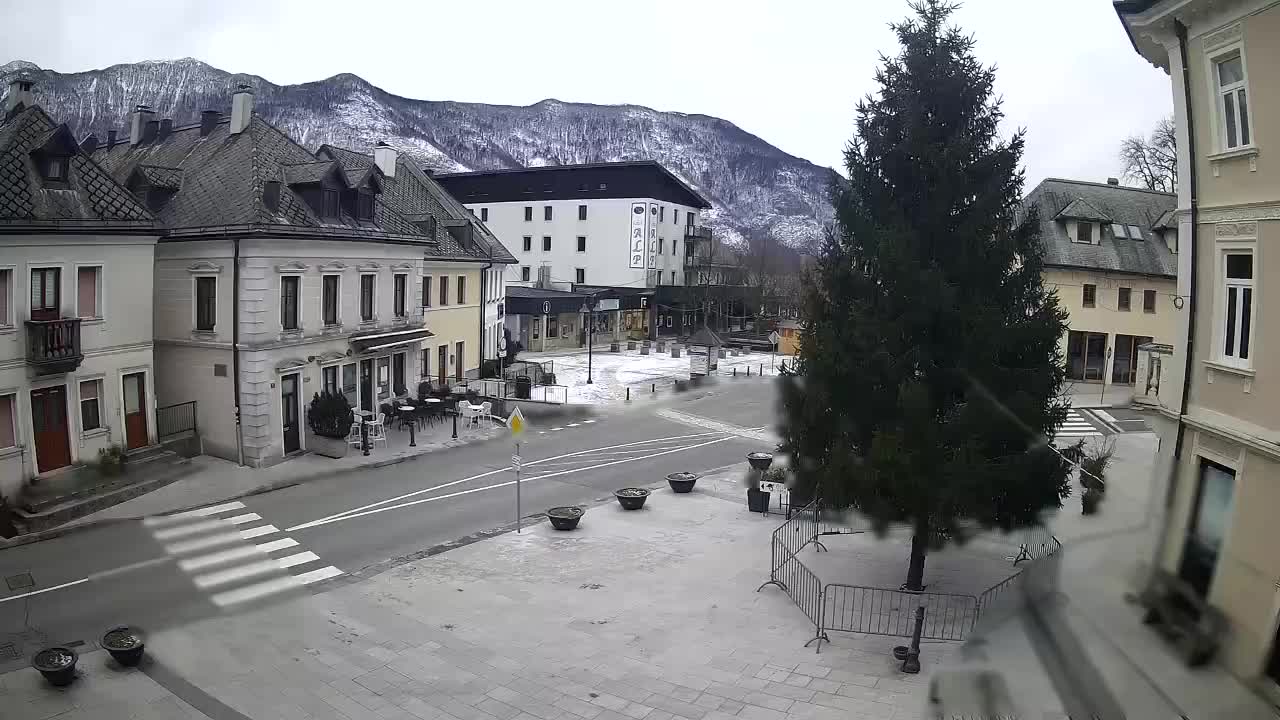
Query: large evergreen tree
[{"x": 929, "y": 373}]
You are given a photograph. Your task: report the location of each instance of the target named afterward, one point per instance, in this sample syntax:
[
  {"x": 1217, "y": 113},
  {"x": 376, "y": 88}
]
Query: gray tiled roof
[
  {"x": 222, "y": 176},
  {"x": 1122, "y": 205},
  {"x": 90, "y": 195}
]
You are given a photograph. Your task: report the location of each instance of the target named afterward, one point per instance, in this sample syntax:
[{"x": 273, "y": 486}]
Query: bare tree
[{"x": 1153, "y": 161}]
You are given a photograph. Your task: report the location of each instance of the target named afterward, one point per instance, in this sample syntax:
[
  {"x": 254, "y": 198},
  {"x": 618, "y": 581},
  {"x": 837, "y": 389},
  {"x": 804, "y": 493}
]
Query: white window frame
[
  {"x": 62, "y": 285},
  {"x": 80, "y": 400},
  {"x": 1217, "y": 92},
  {"x": 337, "y": 303},
  {"x": 10, "y": 323},
  {"x": 195, "y": 304},
  {"x": 398, "y": 315},
  {"x": 336, "y": 367},
  {"x": 1220, "y": 325},
  {"x": 580, "y": 246},
  {"x": 526, "y": 273},
  {"x": 373, "y": 318},
  {"x": 101, "y": 291},
  {"x": 377, "y": 386},
  {"x": 580, "y": 273},
  {"x": 460, "y": 290},
  {"x": 280, "y": 303},
  {"x": 15, "y": 416}
]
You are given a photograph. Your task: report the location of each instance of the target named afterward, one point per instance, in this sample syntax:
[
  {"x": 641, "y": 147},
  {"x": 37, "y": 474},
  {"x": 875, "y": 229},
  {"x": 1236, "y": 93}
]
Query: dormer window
[
  {"x": 53, "y": 168},
  {"x": 1084, "y": 232},
  {"x": 364, "y": 205},
  {"x": 329, "y": 203}
]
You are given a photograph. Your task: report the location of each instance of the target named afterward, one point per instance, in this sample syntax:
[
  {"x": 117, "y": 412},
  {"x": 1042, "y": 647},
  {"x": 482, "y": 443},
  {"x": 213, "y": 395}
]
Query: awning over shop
[{"x": 383, "y": 339}]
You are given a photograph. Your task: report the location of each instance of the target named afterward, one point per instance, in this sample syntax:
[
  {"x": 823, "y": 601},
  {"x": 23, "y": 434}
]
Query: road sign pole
[{"x": 517, "y": 467}]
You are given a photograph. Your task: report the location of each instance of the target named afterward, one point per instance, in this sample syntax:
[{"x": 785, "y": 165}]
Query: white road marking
[
  {"x": 258, "y": 531},
  {"x": 556, "y": 428},
  {"x": 255, "y": 591},
  {"x": 299, "y": 559},
  {"x": 203, "y": 543},
  {"x": 184, "y": 530},
  {"x": 323, "y": 520},
  {"x": 235, "y": 574},
  {"x": 275, "y": 545},
  {"x": 573, "y": 425},
  {"x": 1106, "y": 416},
  {"x": 354, "y": 514},
  {"x": 187, "y": 515},
  {"x": 323, "y": 573},
  {"x": 44, "y": 590},
  {"x": 242, "y": 519},
  {"x": 588, "y": 422},
  {"x": 219, "y": 558}
]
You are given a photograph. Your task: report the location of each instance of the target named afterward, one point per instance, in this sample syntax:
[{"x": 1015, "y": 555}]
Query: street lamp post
[{"x": 589, "y": 308}]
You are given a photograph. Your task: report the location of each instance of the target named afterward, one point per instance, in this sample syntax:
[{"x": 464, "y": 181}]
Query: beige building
[
  {"x": 76, "y": 370},
  {"x": 1216, "y": 397},
  {"x": 1110, "y": 253},
  {"x": 281, "y": 273}
]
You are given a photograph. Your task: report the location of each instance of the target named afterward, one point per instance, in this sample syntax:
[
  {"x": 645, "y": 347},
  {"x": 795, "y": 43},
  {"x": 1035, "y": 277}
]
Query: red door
[
  {"x": 135, "y": 411},
  {"x": 49, "y": 423}
]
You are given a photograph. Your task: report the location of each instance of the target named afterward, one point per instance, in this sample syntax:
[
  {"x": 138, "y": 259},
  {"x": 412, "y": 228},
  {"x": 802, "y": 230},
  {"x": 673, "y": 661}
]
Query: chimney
[
  {"x": 241, "y": 109},
  {"x": 19, "y": 93},
  {"x": 1113, "y": 181},
  {"x": 166, "y": 127},
  {"x": 89, "y": 144},
  {"x": 384, "y": 156},
  {"x": 150, "y": 130},
  {"x": 141, "y": 114},
  {"x": 111, "y": 139},
  {"x": 208, "y": 121}
]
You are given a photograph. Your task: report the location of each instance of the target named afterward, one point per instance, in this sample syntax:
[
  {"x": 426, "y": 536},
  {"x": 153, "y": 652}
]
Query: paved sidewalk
[
  {"x": 648, "y": 615},
  {"x": 1092, "y": 395},
  {"x": 215, "y": 479}
]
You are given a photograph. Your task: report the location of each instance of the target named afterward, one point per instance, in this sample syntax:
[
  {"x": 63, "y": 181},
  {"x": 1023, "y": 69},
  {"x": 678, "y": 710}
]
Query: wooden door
[
  {"x": 49, "y": 424},
  {"x": 289, "y": 412},
  {"x": 135, "y": 411},
  {"x": 442, "y": 363},
  {"x": 46, "y": 293},
  {"x": 457, "y": 363}
]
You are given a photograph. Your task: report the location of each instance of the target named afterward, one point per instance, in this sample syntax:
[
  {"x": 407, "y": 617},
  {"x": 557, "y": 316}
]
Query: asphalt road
[{"x": 229, "y": 557}]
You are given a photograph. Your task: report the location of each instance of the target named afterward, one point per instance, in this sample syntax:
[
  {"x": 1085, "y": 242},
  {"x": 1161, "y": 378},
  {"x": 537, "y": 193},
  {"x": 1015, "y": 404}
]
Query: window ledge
[
  {"x": 92, "y": 321},
  {"x": 8, "y": 329},
  {"x": 204, "y": 334},
  {"x": 1231, "y": 369},
  {"x": 1247, "y": 151},
  {"x": 287, "y": 335},
  {"x": 10, "y": 451},
  {"x": 96, "y": 432}
]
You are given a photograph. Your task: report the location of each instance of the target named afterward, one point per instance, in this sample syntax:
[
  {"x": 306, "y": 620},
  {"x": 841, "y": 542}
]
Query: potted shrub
[
  {"x": 631, "y": 498},
  {"x": 329, "y": 417},
  {"x": 682, "y": 482},
  {"x": 57, "y": 664},
  {"x": 565, "y": 518},
  {"x": 125, "y": 644},
  {"x": 1093, "y": 477},
  {"x": 111, "y": 461}
]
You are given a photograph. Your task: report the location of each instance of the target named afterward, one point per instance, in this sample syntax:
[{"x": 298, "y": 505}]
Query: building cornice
[
  {"x": 1212, "y": 422},
  {"x": 1239, "y": 213}
]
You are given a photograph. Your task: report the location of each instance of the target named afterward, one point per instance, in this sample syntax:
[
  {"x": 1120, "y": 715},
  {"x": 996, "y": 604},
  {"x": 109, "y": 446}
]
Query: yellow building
[
  {"x": 1218, "y": 412},
  {"x": 789, "y": 337},
  {"x": 1110, "y": 253}
]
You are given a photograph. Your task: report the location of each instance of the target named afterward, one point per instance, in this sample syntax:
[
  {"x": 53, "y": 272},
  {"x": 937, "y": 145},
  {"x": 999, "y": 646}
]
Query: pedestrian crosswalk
[
  {"x": 235, "y": 555},
  {"x": 1076, "y": 427}
]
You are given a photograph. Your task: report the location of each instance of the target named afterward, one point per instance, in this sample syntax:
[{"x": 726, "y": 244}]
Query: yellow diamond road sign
[{"x": 516, "y": 422}]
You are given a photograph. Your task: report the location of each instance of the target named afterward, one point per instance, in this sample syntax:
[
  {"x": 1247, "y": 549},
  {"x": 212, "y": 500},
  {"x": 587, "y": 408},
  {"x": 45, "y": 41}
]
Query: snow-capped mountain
[{"x": 757, "y": 189}]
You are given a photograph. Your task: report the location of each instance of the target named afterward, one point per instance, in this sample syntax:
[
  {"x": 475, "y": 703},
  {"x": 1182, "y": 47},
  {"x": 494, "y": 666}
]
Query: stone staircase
[{"x": 82, "y": 490}]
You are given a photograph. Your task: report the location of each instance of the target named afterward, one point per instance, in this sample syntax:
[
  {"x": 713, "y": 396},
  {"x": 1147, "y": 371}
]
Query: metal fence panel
[
  {"x": 880, "y": 611},
  {"x": 176, "y": 419}
]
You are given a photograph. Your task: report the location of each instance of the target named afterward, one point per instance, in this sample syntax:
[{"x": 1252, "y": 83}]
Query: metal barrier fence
[
  {"x": 884, "y": 611},
  {"x": 175, "y": 419},
  {"x": 880, "y": 611}
]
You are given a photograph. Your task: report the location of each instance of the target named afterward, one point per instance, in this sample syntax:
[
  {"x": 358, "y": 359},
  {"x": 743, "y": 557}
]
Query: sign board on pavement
[
  {"x": 774, "y": 337},
  {"x": 607, "y": 304},
  {"x": 697, "y": 364},
  {"x": 516, "y": 421}
]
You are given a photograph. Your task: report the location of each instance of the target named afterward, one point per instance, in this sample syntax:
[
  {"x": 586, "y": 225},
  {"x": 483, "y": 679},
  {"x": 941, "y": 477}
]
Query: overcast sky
[{"x": 790, "y": 71}]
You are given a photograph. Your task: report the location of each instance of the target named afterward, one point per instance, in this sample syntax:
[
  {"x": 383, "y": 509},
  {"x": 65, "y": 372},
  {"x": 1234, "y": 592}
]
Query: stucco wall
[
  {"x": 1105, "y": 316},
  {"x": 606, "y": 228},
  {"x": 186, "y": 373},
  {"x": 1253, "y": 398}
]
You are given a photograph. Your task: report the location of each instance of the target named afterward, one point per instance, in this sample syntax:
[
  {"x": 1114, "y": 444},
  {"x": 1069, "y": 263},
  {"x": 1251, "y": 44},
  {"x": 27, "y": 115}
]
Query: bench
[{"x": 1179, "y": 613}]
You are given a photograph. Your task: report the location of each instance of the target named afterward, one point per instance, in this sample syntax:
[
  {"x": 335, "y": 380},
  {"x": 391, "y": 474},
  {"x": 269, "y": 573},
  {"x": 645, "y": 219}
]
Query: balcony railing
[
  {"x": 697, "y": 232},
  {"x": 53, "y": 346}
]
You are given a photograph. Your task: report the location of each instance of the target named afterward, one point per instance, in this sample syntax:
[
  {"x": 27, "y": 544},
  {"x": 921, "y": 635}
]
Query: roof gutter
[{"x": 235, "y": 343}]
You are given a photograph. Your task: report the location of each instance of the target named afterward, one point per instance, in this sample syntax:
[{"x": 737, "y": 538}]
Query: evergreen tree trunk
[{"x": 919, "y": 548}]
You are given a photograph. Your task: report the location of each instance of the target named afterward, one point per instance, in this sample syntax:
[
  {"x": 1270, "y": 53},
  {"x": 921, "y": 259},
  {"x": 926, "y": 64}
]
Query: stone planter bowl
[
  {"x": 125, "y": 644},
  {"x": 682, "y": 482},
  {"x": 760, "y": 460},
  {"x": 57, "y": 664},
  {"x": 564, "y": 518},
  {"x": 631, "y": 498}
]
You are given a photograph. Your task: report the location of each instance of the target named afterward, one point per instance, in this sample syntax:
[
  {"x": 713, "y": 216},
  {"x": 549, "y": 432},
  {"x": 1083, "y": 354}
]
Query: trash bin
[{"x": 524, "y": 387}]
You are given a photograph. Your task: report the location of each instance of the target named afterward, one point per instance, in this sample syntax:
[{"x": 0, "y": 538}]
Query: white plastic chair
[
  {"x": 353, "y": 435},
  {"x": 469, "y": 415},
  {"x": 378, "y": 430},
  {"x": 485, "y": 408}
]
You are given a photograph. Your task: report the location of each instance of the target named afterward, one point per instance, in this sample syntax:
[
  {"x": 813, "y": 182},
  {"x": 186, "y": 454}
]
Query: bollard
[
  {"x": 364, "y": 437},
  {"x": 412, "y": 441},
  {"x": 455, "y": 422},
  {"x": 735, "y": 372},
  {"x": 912, "y": 663},
  {"x": 628, "y": 393},
  {"x": 748, "y": 371},
  {"x": 761, "y": 373},
  {"x": 653, "y": 387}
]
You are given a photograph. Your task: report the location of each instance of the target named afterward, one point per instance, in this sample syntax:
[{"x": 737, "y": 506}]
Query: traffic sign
[
  {"x": 774, "y": 337},
  {"x": 515, "y": 461},
  {"x": 516, "y": 421}
]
